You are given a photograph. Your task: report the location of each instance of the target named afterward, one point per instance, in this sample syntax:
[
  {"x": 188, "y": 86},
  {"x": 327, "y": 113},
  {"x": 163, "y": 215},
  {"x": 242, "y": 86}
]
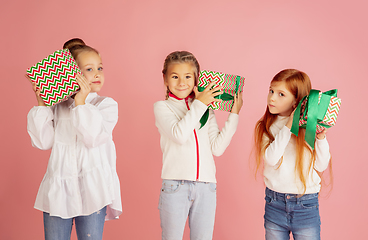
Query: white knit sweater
[
  {"x": 283, "y": 178},
  {"x": 178, "y": 141}
]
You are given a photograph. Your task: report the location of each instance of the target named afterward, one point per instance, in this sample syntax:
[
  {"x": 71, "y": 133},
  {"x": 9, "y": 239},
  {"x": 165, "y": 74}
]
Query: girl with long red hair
[{"x": 291, "y": 169}]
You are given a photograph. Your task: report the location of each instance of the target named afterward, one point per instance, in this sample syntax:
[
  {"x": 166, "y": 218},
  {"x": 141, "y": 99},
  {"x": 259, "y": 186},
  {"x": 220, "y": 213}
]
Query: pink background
[{"x": 255, "y": 39}]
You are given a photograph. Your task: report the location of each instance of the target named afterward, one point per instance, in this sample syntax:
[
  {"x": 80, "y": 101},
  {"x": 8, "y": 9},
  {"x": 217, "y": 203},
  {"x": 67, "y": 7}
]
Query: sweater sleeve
[
  {"x": 94, "y": 124},
  {"x": 276, "y": 149},
  {"x": 220, "y": 140},
  {"x": 40, "y": 127},
  {"x": 322, "y": 155},
  {"x": 178, "y": 130}
]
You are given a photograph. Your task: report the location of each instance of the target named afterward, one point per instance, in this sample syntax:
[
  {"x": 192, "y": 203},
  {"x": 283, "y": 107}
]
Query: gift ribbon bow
[
  {"x": 315, "y": 110},
  {"x": 224, "y": 97}
]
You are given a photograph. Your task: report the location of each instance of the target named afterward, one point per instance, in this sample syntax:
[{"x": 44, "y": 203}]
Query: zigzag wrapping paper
[
  {"x": 55, "y": 76},
  {"x": 329, "y": 118},
  {"x": 227, "y": 81}
]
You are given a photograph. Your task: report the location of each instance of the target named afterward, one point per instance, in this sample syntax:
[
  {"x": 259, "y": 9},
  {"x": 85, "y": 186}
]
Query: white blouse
[{"x": 81, "y": 174}]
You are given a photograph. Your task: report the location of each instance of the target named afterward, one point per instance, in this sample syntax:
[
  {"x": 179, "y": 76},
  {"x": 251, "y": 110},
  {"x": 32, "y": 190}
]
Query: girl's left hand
[
  {"x": 322, "y": 135},
  {"x": 85, "y": 89},
  {"x": 238, "y": 102}
]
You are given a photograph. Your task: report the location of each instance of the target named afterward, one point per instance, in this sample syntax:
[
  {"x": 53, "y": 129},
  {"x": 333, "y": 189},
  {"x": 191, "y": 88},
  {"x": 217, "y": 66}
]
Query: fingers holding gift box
[{"x": 208, "y": 94}]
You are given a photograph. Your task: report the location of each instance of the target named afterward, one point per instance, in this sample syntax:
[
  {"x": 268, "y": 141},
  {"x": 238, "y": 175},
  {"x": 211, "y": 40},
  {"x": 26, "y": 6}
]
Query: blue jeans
[
  {"x": 285, "y": 213},
  {"x": 87, "y": 227},
  {"x": 180, "y": 199}
]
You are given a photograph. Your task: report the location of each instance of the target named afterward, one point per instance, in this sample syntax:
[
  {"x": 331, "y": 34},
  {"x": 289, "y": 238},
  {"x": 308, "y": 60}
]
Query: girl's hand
[
  {"x": 208, "y": 95},
  {"x": 37, "y": 92},
  {"x": 322, "y": 134},
  {"x": 238, "y": 102},
  {"x": 85, "y": 89},
  {"x": 290, "y": 121}
]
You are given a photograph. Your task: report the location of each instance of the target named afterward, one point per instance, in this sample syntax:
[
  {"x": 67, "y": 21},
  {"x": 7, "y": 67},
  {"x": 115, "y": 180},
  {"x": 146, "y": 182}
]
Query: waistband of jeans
[
  {"x": 289, "y": 196},
  {"x": 182, "y": 182}
]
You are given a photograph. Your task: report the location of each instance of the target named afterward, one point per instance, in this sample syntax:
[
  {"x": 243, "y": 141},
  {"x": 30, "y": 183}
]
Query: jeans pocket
[
  {"x": 212, "y": 187},
  {"x": 269, "y": 200},
  {"x": 170, "y": 186},
  {"x": 310, "y": 203}
]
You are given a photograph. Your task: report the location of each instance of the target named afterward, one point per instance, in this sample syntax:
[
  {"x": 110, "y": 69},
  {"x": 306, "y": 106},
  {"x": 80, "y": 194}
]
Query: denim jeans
[
  {"x": 180, "y": 199},
  {"x": 87, "y": 227},
  {"x": 285, "y": 213}
]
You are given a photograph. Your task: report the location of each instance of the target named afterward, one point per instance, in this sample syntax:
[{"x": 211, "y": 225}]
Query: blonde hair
[
  {"x": 299, "y": 84},
  {"x": 181, "y": 57},
  {"x": 76, "y": 46}
]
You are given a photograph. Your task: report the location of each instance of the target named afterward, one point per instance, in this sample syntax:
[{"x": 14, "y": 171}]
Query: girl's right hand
[
  {"x": 37, "y": 92},
  {"x": 208, "y": 95},
  {"x": 85, "y": 89}
]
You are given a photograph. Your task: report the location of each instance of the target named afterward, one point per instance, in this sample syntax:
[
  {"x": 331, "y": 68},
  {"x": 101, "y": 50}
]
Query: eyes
[
  {"x": 281, "y": 94},
  {"x": 91, "y": 69},
  {"x": 177, "y": 77}
]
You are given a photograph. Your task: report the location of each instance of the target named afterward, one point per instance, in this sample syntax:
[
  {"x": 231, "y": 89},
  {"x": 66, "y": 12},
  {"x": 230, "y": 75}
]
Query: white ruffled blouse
[{"x": 81, "y": 174}]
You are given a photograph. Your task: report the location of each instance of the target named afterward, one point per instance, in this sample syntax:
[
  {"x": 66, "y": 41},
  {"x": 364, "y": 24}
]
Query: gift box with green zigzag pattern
[
  {"x": 55, "y": 76},
  {"x": 230, "y": 83}
]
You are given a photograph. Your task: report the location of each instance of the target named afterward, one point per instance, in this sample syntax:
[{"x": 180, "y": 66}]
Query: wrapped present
[
  {"x": 231, "y": 85},
  {"x": 315, "y": 113},
  {"x": 55, "y": 76}
]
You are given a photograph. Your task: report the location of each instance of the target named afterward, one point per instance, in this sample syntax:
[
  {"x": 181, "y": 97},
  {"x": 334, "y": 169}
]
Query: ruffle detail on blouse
[{"x": 81, "y": 195}]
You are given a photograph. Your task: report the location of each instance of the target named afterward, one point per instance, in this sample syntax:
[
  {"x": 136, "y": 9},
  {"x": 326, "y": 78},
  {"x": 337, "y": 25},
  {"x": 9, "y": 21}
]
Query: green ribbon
[
  {"x": 314, "y": 111},
  {"x": 224, "y": 97}
]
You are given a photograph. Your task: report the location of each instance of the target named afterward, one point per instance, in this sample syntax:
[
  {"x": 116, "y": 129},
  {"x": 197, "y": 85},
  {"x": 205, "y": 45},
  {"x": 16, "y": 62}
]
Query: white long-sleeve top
[
  {"x": 178, "y": 140},
  {"x": 279, "y": 161},
  {"x": 81, "y": 174}
]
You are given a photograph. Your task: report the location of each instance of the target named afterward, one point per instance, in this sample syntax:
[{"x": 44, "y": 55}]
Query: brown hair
[
  {"x": 76, "y": 46},
  {"x": 181, "y": 57},
  {"x": 299, "y": 84}
]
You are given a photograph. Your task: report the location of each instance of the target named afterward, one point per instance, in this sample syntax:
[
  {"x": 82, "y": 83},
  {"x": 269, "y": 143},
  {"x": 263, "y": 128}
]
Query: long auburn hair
[{"x": 299, "y": 84}]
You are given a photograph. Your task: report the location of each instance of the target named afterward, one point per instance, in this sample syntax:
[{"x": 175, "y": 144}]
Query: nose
[
  {"x": 181, "y": 81},
  {"x": 272, "y": 97},
  {"x": 97, "y": 75}
]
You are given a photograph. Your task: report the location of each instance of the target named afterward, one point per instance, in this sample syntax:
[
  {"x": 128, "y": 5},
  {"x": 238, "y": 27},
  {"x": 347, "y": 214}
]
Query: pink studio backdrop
[{"x": 254, "y": 39}]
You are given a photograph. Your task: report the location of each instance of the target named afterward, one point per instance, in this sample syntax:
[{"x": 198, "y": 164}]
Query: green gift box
[{"x": 316, "y": 112}]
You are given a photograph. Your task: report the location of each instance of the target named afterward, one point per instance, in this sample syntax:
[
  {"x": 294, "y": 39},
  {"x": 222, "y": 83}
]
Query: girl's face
[
  {"x": 280, "y": 100},
  {"x": 91, "y": 66},
  {"x": 179, "y": 78}
]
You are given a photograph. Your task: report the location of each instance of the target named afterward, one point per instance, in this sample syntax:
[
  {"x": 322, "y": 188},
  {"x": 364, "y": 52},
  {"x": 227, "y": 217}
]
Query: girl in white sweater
[
  {"x": 81, "y": 183},
  {"x": 292, "y": 169},
  {"x": 188, "y": 167}
]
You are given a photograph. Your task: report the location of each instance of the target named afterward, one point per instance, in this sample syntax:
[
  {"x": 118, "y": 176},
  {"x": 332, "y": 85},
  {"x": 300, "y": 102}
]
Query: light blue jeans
[
  {"x": 285, "y": 213},
  {"x": 180, "y": 199},
  {"x": 87, "y": 227}
]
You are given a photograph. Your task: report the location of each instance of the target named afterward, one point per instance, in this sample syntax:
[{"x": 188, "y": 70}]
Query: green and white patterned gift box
[{"x": 55, "y": 76}]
